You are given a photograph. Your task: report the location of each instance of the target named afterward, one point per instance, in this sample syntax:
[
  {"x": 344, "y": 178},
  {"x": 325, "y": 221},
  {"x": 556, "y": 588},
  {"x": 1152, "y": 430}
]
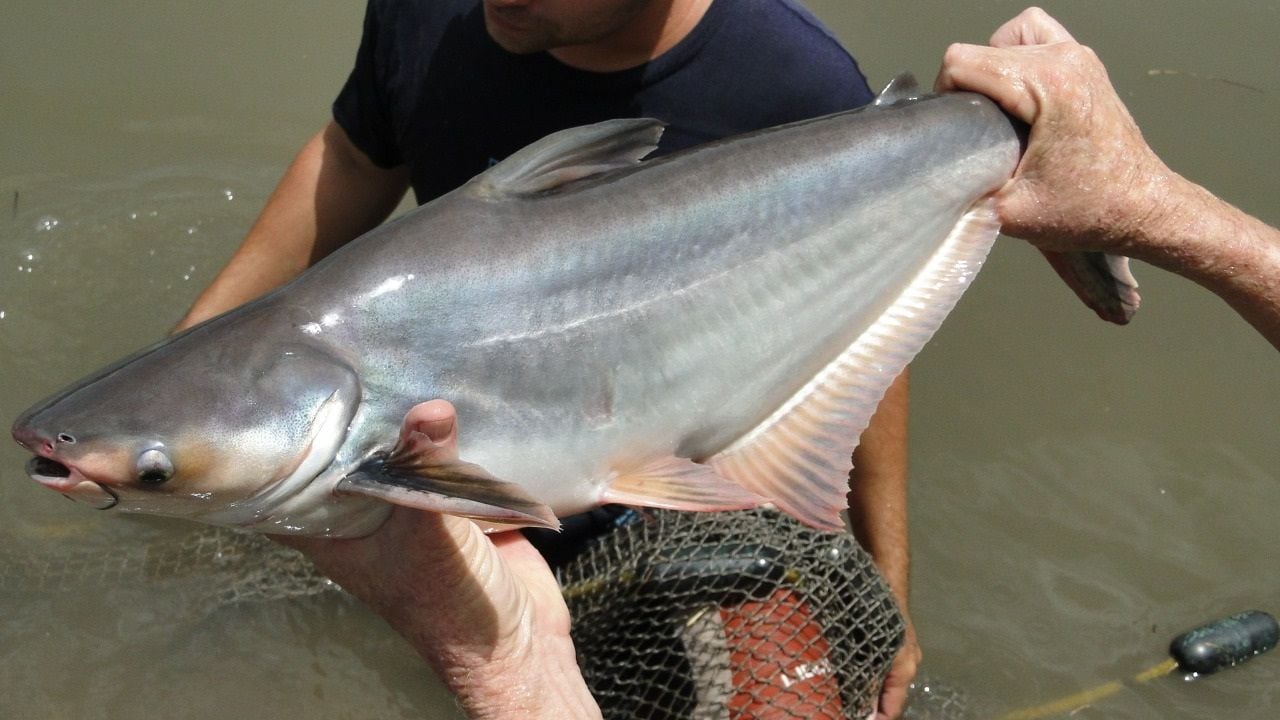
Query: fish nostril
[
  {"x": 65, "y": 438},
  {"x": 46, "y": 447}
]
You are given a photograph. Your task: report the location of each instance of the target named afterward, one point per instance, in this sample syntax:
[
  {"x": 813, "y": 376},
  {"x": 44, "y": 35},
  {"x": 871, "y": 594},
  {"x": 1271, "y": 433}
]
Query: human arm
[
  {"x": 878, "y": 516},
  {"x": 484, "y": 612},
  {"x": 331, "y": 194},
  {"x": 1089, "y": 181}
]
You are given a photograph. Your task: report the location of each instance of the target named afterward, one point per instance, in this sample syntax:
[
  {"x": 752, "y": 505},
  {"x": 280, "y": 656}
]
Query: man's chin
[{"x": 514, "y": 37}]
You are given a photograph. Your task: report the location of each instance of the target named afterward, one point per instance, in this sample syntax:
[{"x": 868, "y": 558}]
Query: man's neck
[{"x": 656, "y": 29}]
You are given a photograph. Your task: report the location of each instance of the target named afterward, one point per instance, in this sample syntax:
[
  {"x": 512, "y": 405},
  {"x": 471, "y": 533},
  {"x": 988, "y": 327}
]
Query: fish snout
[
  {"x": 31, "y": 439},
  {"x": 44, "y": 444},
  {"x": 47, "y": 469}
]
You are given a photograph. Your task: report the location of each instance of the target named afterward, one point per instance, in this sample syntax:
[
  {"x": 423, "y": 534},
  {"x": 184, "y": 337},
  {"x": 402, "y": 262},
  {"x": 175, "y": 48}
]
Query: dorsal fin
[
  {"x": 901, "y": 88},
  {"x": 570, "y": 155}
]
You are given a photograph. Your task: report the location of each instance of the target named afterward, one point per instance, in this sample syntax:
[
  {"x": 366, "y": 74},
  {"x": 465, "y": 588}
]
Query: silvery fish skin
[{"x": 708, "y": 330}]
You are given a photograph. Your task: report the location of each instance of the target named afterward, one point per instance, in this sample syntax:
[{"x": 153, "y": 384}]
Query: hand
[
  {"x": 893, "y": 694},
  {"x": 484, "y": 611},
  {"x": 1088, "y": 180}
]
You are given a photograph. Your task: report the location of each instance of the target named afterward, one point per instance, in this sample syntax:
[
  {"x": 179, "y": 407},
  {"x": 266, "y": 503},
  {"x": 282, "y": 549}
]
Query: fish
[{"x": 708, "y": 330}]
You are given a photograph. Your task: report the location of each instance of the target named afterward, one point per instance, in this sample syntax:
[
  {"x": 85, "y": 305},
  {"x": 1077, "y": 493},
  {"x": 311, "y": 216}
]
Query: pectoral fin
[
  {"x": 456, "y": 488},
  {"x": 678, "y": 484},
  {"x": 427, "y": 475}
]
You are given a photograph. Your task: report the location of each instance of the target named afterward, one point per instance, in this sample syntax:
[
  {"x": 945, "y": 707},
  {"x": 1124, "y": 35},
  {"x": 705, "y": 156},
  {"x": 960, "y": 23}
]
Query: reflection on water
[{"x": 1081, "y": 493}]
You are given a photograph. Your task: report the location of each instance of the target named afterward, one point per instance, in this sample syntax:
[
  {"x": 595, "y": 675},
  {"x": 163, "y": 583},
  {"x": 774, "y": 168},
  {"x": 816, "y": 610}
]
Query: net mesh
[
  {"x": 677, "y": 615},
  {"x": 731, "y": 615},
  {"x": 219, "y": 567}
]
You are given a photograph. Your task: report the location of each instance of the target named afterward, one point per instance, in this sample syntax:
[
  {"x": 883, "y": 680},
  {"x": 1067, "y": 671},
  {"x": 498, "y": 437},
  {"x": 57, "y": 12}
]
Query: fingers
[
  {"x": 428, "y": 435},
  {"x": 893, "y": 694},
  {"x": 986, "y": 71},
  {"x": 991, "y": 71},
  {"x": 1087, "y": 180}
]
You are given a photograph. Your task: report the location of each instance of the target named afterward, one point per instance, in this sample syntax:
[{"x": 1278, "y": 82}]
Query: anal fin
[
  {"x": 799, "y": 458},
  {"x": 678, "y": 484}
]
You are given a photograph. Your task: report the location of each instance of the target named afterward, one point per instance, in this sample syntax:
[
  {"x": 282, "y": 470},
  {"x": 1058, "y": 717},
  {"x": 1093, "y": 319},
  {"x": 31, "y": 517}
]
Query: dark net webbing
[
  {"x": 680, "y": 615},
  {"x": 731, "y": 615}
]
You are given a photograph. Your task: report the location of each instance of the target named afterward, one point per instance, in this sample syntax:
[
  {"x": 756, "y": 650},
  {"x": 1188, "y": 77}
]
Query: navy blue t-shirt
[{"x": 431, "y": 89}]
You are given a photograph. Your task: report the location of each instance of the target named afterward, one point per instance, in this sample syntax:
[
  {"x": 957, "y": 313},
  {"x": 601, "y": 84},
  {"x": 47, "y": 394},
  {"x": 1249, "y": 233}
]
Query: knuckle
[
  {"x": 1078, "y": 55},
  {"x": 1035, "y": 13},
  {"x": 955, "y": 54}
]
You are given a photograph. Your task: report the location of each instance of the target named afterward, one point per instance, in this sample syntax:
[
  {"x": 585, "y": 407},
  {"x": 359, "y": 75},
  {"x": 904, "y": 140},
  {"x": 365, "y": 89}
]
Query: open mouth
[
  {"x": 58, "y": 477},
  {"x": 39, "y": 467}
]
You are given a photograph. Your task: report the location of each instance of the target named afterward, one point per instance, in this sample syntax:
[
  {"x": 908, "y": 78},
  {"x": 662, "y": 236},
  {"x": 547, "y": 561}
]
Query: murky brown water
[{"x": 1081, "y": 493}]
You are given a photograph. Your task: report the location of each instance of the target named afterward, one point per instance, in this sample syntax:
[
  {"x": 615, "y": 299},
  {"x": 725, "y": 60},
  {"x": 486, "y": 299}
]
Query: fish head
[{"x": 192, "y": 429}]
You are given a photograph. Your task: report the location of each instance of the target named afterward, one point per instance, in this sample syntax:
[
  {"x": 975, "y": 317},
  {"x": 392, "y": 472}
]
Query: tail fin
[{"x": 1102, "y": 281}]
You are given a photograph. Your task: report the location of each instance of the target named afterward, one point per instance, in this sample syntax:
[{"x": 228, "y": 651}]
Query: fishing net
[
  {"x": 214, "y": 566},
  {"x": 730, "y": 615},
  {"x": 676, "y": 615}
]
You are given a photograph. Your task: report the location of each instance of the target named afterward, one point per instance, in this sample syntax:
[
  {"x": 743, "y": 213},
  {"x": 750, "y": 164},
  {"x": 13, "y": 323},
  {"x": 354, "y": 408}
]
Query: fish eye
[{"x": 154, "y": 467}]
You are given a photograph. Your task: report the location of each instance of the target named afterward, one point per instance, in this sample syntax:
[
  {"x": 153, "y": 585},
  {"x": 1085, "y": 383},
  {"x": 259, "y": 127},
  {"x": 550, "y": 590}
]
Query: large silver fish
[{"x": 708, "y": 330}]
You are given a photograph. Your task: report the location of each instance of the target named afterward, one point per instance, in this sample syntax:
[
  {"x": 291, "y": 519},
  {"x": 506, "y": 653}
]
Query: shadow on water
[{"x": 1080, "y": 493}]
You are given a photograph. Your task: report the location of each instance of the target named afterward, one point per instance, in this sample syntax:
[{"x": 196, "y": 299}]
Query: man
[{"x": 443, "y": 89}]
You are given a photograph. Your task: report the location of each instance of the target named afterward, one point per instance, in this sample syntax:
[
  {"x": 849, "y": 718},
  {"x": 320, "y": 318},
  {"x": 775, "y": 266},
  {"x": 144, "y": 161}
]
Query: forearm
[
  {"x": 878, "y": 514},
  {"x": 484, "y": 612},
  {"x": 495, "y": 630},
  {"x": 545, "y": 683},
  {"x": 330, "y": 194},
  {"x": 1222, "y": 248},
  {"x": 878, "y": 489}
]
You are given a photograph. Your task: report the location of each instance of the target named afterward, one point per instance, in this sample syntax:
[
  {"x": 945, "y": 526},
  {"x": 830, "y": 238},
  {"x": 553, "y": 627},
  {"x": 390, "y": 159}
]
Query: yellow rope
[{"x": 1088, "y": 697}]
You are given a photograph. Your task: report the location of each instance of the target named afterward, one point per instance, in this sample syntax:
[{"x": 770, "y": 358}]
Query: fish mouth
[{"x": 62, "y": 479}]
